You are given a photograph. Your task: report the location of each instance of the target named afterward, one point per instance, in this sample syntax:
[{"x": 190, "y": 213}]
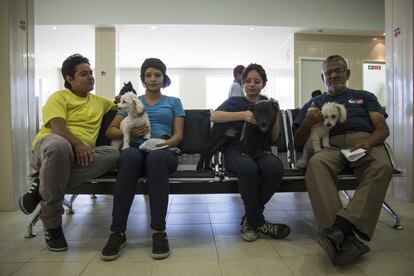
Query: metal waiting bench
[{"x": 186, "y": 180}]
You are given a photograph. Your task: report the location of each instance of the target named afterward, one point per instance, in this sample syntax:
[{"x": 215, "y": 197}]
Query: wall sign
[{"x": 374, "y": 79}]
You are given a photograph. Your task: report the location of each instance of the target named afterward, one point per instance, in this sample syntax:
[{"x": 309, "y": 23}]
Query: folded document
[
  {"x": 152, "y": 144},
  {"x": 354, "y": 155}
]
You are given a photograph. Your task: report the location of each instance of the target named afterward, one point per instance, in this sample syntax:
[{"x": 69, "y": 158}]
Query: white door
[{"x": 310, "y": 78}]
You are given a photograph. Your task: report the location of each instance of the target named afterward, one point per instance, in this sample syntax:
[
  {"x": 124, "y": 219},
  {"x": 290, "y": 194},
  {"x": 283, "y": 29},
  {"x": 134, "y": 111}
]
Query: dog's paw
[
  {"x": 302, "y": 163},
  {"x": 326, "y": 146}
]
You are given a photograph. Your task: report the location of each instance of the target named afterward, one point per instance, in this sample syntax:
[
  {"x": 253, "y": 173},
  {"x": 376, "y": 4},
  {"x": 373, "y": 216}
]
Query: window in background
[
  {"x": 283, "y": 86},
  {"x": 217, "y": 89},
  {"x": 173, "y": 90}
]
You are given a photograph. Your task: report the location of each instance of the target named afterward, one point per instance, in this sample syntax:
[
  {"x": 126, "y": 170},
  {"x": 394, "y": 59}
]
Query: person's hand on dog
[
  {"x": 84, "y": 154},
  {"x": 117, "y": 99},
  {"x": 137, "y": 132},
  {"x": 313, "y": 116},
  {"x": 249, "y": 117}
]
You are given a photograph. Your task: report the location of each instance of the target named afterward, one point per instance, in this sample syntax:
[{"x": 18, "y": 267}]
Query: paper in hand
[
  {"x": 353, "y": 156},
  {"x": 151, "y": 144}
]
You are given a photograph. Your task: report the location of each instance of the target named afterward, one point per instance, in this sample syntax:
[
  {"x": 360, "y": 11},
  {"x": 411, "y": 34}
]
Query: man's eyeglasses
[{"x": 337, "y": 72}]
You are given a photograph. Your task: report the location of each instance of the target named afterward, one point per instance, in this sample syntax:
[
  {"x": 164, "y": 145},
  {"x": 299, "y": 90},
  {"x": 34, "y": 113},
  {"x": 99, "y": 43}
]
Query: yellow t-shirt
[{"x": 83, "y": 115}]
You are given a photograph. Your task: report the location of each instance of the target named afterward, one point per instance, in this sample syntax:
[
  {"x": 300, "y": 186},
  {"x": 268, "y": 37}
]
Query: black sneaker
[
  {"x": 55, "y": 239},
  {"x": 330, "y": 240},
  {"x": 247, "y": 232},
  {"x": 160, "y": 247},
  {"x": 274, "y": 230},
  {"x": 29, "y": 201},
  {"x": 350, "y": 250},
  {"x": 113, "y": 247}
]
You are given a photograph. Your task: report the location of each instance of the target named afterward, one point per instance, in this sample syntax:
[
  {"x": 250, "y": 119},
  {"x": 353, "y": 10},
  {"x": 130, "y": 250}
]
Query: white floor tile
[
  {"x": 204, "y": 238},
  {"x": 247, "y": 267},
  {"x": 118, "y": 268},
  {"x": 8, "y": 268},
  {"x": 317, "y": 265},
  {"x": 78, "y": 252},
  {"x": 51, "y": 269},
  {"x": 386, "y": 263},
  {"x": 236, "y": 248},
  {"x": 20, "y": 251},
  {"x": 186, "y": 268}
]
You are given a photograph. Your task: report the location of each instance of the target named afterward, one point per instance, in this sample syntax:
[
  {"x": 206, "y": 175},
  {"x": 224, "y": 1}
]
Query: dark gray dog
[{"x": 254, "y": 139}]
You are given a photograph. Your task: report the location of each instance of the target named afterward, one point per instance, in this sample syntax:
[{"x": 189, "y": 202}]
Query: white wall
[
  {"x": 51, "y": 81},
  {"x": 193, "y": 91},
  {"x": 284, "y": 76},
  {"x": 400, "y": 97},
  {"x": 17, "y": 98},
  {"x": 350, "y": 14},
  {"x": 192, "y": 83}
]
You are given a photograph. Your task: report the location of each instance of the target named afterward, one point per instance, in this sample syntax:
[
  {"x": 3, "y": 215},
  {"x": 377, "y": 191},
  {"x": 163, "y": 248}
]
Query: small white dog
[
  {"x": 331, "y": 114},
  {"x": 137, "y": 116}
]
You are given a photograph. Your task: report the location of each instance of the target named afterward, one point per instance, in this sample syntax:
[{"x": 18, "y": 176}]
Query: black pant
[
  {"x": 259, "y": 178},
  {"x": 158, "y": 165}
]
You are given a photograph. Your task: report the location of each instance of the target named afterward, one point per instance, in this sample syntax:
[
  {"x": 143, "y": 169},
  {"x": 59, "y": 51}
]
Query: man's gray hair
[{"x": 336, "y": 58}]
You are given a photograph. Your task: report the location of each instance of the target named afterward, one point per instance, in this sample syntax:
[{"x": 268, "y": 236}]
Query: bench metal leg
[
  {"x": 33, "y": 221},
  {"x": 397, "y": 218},
  {"x": 93, "y": 196},
  {"x": 346, "y": 195},
  {"x": 69, "y": 204},
  {"x": 36, "y": 216},
  {"x": 386, "y": 207}
]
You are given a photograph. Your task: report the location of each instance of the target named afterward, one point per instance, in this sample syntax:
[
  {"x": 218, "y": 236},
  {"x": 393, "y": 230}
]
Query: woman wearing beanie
[{"x": 166, "y": 115}]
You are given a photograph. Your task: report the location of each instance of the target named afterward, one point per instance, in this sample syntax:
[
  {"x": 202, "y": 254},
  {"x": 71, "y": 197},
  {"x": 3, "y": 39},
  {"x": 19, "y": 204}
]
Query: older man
[{"x": 365, "y": 128}]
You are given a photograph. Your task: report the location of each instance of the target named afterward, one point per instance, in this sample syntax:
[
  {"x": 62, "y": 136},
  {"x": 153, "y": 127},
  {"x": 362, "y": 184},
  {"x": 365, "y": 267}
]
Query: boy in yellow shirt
[{"x": 64, "y": 150}]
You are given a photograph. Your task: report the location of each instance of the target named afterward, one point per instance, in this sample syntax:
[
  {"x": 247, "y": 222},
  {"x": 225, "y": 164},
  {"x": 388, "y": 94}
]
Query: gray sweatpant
[{"x": 54, "y": 158}]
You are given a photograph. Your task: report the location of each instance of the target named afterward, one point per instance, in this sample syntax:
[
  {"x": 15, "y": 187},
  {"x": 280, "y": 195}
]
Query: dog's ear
[
  {"x": 275, "y": 104},
  {"x": 342, "y": 112}
]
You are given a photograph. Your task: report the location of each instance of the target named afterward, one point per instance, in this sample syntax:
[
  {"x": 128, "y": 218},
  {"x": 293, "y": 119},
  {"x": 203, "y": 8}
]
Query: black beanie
[{"x": 158, "y": 64}]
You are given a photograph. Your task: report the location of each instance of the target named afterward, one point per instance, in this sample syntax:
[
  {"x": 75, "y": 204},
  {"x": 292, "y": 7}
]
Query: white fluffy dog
[
  {"x": 331, "y": 114},
  {"x": 137, "y": 116}
]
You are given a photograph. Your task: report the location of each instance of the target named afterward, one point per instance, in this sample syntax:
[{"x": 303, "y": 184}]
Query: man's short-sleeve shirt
[
  {"x": 83, "y": 115},
  {"x": 357, "y": 103}
]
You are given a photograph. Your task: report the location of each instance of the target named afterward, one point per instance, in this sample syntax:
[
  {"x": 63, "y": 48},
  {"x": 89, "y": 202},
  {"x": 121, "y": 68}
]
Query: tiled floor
[{"x": 204, "y": 238}]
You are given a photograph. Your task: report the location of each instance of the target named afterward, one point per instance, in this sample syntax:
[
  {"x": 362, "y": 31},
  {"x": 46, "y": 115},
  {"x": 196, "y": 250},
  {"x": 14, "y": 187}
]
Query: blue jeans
[
  {"x": 259, "y": 178},
  {"x": 132, "y": 164}
]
